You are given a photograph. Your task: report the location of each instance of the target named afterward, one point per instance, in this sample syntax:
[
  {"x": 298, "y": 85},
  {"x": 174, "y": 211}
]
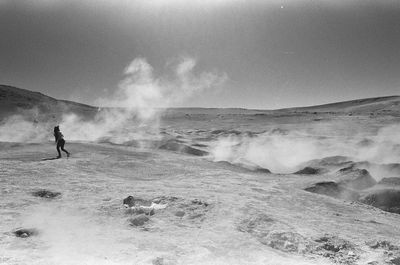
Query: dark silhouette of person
[{"x": 59, "y": 137}]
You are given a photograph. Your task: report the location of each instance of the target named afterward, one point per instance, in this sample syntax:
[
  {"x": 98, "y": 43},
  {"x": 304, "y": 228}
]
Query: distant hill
[
  {"x": 15, "y": 100},
  {"x": 39, "y": 106},
  {"x": 380, "y": 105}
]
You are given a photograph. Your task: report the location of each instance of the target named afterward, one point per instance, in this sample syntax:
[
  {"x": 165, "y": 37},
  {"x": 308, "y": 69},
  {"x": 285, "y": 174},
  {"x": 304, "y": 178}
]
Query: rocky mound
[
  {"x": 357, "y": 179},
  {"x": 393, "y": 167},
  {"x": 365, "y": 142},
  {"x": 261, "y": 170},
  {"x": 225, "y": 132},
  {"x": 390, "y": 181},
  {"x": 380, "y": 170},
  {"x": 173, "y": 145},
  {"x": 389, "y": 170},
  {"x": 46, "y": 194},
  {"x": 384, "y": 199},
  {"x": 309, "y": 171},
  {"x": 131, "y": 201},
  {"x": 25, "y": 232},
  {"x": 200, "y": 145},
  {"x": 245, "y": 167},
  {"x": 333, "y": 189},
  {"x": 330, "y": 162},
  {"x": 137, "y": 205}
]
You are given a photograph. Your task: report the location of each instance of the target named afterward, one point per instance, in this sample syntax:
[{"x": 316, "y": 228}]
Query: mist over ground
[
  {"x": 284, "y": 187},
  {"x": 132, "y": 112},
  {"x": 137, "y": 115},
  {"x": 295, "y": 186},
  {"x": 286, "y": 151}
]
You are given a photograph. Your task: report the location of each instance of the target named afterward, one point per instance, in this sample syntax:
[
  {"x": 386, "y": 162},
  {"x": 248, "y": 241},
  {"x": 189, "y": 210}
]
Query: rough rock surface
[
  {"x": 174, "y": 210},
  {"x": 357, "y": 179},
  {"x": 308, "y": 171},
  {"x": 390, "y": 252},
  {"x": 393, "y": 181},
  {"x": 139, "y": 220},
  {"x": 43, "y": 193},
  {"x": 131, "y": 201},
  {"x": 333, "y": 189},
  {"x": 385, "y": 199},
  {"x": 336, "y": 249},
  {"x": 173, "y": 145},
  {"x": 274, "y": 234},
  {"x": 25, "y": 232}
]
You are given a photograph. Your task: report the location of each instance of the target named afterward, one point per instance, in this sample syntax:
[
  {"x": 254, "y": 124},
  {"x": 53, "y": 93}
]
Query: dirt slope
[
  {"x": 20, "y": 101},
  {"x": 380, "y": 105}
]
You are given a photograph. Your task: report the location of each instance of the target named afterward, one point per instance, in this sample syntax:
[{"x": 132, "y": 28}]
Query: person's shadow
[{"x": 51, "y": 158}]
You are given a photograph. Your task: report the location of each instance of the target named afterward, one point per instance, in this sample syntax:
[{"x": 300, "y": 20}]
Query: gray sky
[{"x": 275, "y": 53}]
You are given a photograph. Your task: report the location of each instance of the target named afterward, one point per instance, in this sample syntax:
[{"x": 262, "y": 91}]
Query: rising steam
[
  {"x": 133, "y": 111},
  {"x": 287, "y": 152},
  {"x": 139, "y": 101}
]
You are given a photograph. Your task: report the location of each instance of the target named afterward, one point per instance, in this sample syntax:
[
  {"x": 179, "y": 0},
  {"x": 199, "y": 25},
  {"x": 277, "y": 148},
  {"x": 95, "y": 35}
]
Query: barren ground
[{"x": 217, "y": 213}]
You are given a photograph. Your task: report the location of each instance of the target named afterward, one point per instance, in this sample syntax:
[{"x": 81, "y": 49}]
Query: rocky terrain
[{"x": 317, "y": 185}]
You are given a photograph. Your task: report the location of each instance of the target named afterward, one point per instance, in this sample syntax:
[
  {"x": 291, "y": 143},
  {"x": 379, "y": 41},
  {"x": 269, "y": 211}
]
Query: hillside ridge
[{"x": 14, "y": 99}]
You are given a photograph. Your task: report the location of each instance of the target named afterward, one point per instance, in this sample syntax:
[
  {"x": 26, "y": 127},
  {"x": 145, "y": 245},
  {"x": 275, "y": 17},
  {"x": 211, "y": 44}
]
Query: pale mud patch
[
  {"x": 274, "y": 234},
  {"x": 151, "y": 214},
  {"x": 284, "y": 238}
]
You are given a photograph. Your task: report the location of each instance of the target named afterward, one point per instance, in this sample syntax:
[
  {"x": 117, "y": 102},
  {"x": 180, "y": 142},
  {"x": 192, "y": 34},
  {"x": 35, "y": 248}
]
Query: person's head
[{"x": 57, "y": 129}]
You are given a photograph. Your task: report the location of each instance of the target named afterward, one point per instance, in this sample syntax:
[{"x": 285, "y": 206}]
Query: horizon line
[{"x": 243, "y": 108}]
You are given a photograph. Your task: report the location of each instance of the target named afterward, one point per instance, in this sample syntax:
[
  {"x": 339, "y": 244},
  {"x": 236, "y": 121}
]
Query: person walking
[{"x": 59, "y": 137}]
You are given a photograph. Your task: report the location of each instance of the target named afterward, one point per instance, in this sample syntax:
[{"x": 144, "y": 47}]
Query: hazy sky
[{"x": 275, "y": 53}]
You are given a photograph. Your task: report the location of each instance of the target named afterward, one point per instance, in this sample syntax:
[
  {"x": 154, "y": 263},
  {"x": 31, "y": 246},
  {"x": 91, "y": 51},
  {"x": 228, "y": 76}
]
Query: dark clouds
[{"x": 276, "y": 53}]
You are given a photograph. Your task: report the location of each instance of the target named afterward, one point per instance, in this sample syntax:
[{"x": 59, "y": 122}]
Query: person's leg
[
  {"x": 58, "y": 150},
  {"x": 62, "y": 147}
]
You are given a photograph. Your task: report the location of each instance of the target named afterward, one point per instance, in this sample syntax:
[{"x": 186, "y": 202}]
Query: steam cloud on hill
[
  {"x": 139, "y": 101},
  {"x": 136, "y": 106}
]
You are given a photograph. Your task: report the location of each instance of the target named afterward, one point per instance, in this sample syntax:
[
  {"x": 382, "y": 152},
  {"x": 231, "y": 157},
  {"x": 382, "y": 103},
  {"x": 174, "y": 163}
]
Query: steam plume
[
  {"x": 286, "y": 153},
  {"x": 140, "y": 100}
]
